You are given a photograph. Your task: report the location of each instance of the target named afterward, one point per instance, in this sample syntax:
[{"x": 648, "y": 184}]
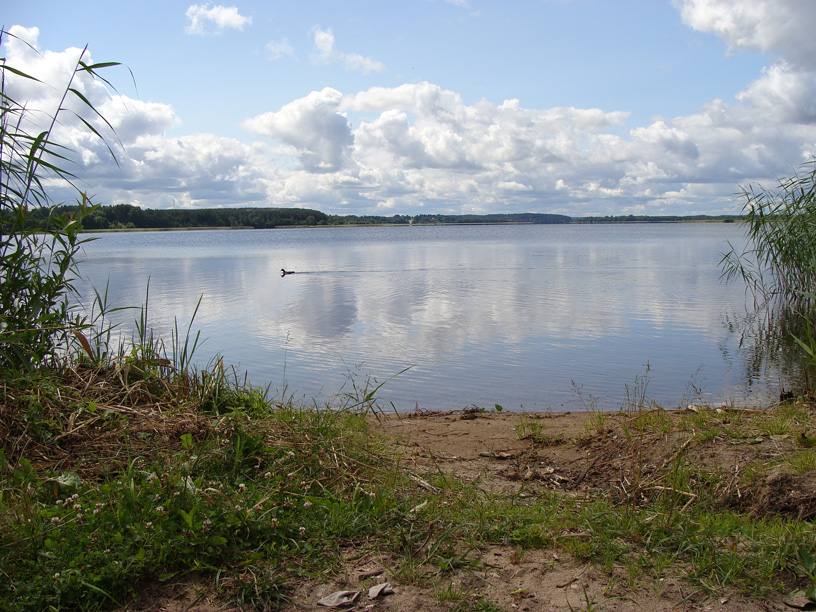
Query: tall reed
[
  {"x": 778, "y": 266},
  {"x": 778, "y": 263},
  {"x": 38, "y": 245}
]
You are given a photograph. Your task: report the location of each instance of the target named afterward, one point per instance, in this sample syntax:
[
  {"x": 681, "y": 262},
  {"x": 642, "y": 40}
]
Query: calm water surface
[{"x": 529, "y": 317}]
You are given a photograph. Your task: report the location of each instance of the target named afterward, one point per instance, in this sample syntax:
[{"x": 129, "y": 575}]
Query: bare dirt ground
[
  {"x": 565, "y": 451},
  {"x": 511, "y": 452}
]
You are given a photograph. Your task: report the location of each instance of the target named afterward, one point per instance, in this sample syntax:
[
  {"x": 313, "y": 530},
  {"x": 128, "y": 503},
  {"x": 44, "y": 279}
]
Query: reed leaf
[
  {"x": 38, "y": 245},
  {"x": 778, "y": 263}
]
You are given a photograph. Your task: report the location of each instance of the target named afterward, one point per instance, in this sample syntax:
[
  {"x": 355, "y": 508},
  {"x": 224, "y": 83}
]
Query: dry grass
[{"x": 92, "y": 420}]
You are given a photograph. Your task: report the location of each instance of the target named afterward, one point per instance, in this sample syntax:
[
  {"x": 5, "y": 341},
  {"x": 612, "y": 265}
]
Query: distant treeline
[
  {"x": 448, "y": 219},
  {"x": 661, "y": 219},
  {"x": 125, "y": 216}
]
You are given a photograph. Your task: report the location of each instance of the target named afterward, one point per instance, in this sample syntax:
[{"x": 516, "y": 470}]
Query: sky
[{"x": 576, "y": 107}]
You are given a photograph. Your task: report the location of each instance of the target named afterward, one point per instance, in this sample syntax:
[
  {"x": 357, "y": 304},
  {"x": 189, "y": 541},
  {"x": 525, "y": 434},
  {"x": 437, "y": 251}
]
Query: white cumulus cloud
[
  {"x": 781, "y": 26},
  {"x": 420, "y": 147},
  {"x": 313, "y": 125},
  {"x": 204, "y": 18}
]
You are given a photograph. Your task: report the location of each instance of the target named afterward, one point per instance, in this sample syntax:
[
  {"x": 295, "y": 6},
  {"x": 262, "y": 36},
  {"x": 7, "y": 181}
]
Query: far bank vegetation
[{"x": 127, "y": 216}]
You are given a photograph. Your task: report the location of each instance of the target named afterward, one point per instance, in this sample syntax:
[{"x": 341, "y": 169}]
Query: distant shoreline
[
  {"x": 395, "y": 225},
  {"x": 124, "y": 217},
  {"x": 120, "y": 230}
]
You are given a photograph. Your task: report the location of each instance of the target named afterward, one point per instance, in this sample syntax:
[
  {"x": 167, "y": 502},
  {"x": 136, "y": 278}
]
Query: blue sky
[{"x": 580, "y": 107}]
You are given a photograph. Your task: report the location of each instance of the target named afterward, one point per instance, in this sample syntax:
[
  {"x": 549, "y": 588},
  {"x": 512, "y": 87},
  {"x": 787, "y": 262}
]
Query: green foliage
[
  {"x": 126, "y": 216},
  {"x": 432, "y": 219},
  {"x": 655, "y": 219},
  {"x": 262, "y": 496},
  {"x": 808, "y": 562},
  {"x": 779, "y": 262},
  {"x": 38, "y": 245},
  {"x": 257, "y": 494},
  {"x": 778, "y": 267},
  {"x": 537, "y": 218}
]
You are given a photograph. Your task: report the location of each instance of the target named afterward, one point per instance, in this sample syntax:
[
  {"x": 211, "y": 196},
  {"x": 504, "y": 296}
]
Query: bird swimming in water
[{"x": 285, "y": 272}]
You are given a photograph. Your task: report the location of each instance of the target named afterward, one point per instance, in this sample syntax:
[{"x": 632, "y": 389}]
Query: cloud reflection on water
[{"x": 482, "y": 313}]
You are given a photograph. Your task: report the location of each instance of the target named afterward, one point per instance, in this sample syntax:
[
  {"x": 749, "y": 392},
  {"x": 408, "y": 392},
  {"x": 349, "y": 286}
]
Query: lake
[{"x": 529, "y": 317}]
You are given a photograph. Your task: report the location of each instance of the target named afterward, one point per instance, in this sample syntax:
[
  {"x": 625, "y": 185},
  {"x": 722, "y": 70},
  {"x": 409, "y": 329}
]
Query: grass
[
  {"x": 173, "y": 489},
  {"x": 703, "y": 543},
  {"x": 114, "y": 474},
  {"x": 530, "y": 428},
  {"x": 137, "y": 467}
]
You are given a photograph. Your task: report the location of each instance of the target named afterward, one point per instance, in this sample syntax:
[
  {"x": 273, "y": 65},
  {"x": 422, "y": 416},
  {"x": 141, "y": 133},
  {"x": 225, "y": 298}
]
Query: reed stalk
[
  {"x": 38, "y": 244},
  {"x": 778, "y": 263}
]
